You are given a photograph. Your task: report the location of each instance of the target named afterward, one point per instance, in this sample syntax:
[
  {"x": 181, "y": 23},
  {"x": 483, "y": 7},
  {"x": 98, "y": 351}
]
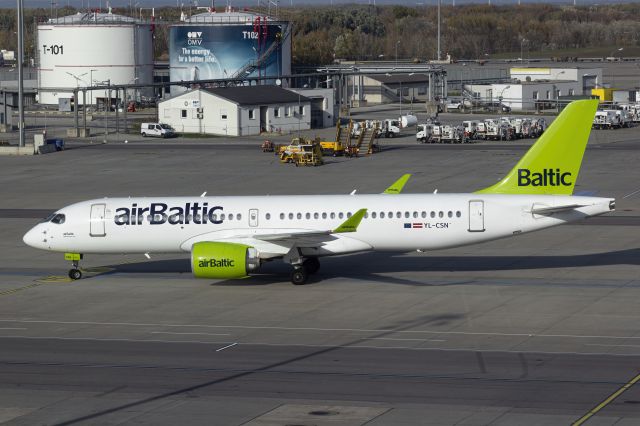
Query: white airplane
[{"x": 230, "y": 237}]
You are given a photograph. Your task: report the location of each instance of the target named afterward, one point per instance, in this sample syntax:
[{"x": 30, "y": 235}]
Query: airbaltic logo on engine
[
  {"x": 160, "y": 213},
  {"x": 215, "y": 263},
  {"x": 548, "y": 177},
  {"x": 194, "y": 38}
]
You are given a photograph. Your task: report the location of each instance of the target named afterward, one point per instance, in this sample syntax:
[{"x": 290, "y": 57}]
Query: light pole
[
  {"x": 20, "y": 24},
  {"x": 522, "y": 42},
  {"x": 500, "y": 97}
]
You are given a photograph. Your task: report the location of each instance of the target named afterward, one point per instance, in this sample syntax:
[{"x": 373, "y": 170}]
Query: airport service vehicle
[
  {"x": 454, "y": 106},
  {"x": 230, "y": 237},
  {"x": 425, "y": 132},
  {"x": 470, "y": 128},
  {"x": 157, "y": 129},
  {"x": 604, "y": 119}
]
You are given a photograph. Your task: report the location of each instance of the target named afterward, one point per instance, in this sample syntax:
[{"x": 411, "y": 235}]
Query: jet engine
[{"x": 223, "y": 260}]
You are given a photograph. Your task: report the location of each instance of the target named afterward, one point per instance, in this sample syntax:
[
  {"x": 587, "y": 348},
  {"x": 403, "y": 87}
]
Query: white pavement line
[
  {"x": 13, "y": 328},
  {"x": 633, "y": 193},
  {"x": 417, "y": 340},
  {"x": 614, "y": 346},
  {"x": 409, "y": 348},
  {"x": 226, "y": 347},
  {"x": 354, "y": 330},
  {"x": 201, "y": 334}
]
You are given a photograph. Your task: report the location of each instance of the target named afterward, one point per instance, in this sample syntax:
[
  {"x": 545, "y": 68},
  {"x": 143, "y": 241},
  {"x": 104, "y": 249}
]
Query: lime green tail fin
[{"x": 552, "y": 164}]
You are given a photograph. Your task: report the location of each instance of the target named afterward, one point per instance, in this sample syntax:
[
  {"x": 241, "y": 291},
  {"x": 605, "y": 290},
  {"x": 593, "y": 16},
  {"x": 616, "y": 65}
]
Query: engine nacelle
[{"x": 223, "y": 260}]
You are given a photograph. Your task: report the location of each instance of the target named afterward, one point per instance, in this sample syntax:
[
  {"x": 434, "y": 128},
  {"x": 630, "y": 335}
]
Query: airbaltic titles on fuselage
[{"x": 161, "y": 213}]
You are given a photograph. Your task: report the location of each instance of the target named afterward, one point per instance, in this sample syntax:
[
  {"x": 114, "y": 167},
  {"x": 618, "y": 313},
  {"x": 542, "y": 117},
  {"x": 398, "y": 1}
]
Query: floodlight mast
[{"x": 20, "y": 76}]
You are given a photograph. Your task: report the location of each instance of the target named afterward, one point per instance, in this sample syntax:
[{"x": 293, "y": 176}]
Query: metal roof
[
  {"x": 93, "y": 18},
  {"x": 257, "y": 95},
  {"x": 399, "y": 78},
  {"x": 226, "y": 18}
]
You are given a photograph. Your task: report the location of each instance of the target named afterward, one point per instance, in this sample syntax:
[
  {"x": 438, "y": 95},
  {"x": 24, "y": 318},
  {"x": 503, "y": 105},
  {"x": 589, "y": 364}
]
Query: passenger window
[
  {"x": 268, "y": 216},
  {"x": 230, "y": 216},
  {"x": 333, "y": 215},
  {"x": 340, "y": 215},
  {"x": 366, "y": 215},
  {"x": 373, "y": 215},
  {"x": 316, "y": 216},
  {"x": 281, "y": 215},
  {"x": 222, "y": 216},
  {"x": 458, "y": 213},
  {"x": 308, "y": 216},
  {"x": 424, "y": 215},
  {"x": 239, "y": 216},
  {"x": 390, "y": 215},
  {"x": 440, "y": 214},
  {"x": 299, "y": 215},
  {"x": 398, "y": 215},
  {"x": 324, "y": 215},
  {"x": 290, "y": 215},
  {"x": 406, "y": 214},
  {"x": 348, "y": 214},
  {"x": 415, "y": 215},
  {"x": 450, "y": 213},
  {"x": 381, "y": 215},
  {"x": 433, "y": 214}
]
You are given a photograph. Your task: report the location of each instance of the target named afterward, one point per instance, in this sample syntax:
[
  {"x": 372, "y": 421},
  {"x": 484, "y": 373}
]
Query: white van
[{"x": 156, "y": 129}]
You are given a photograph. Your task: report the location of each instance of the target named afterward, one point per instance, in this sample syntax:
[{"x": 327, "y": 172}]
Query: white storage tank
[{"x": 90, "y": 49}]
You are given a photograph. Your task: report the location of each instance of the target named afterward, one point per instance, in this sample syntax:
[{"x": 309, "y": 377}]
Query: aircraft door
[
  {"x": 476, "y": 216},
  {"x": 253, "y": 217},
  {"x": 97, "y": 222}
]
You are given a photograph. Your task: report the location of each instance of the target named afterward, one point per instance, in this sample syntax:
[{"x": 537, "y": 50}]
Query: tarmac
[{"x": 533, "y": 330}]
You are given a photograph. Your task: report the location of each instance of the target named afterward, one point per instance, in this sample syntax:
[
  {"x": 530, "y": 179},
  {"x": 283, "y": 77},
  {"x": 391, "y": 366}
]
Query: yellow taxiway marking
[
  {"x": 15, "y": 290},
  {"x": 88, "y": 273},
  {"x": 607, "y": 401}
]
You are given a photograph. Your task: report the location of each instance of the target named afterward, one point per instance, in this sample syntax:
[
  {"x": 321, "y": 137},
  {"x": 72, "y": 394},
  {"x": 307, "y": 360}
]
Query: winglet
[
  {"x": 397, "y": 186},
  {"x": 351, "y": 224}
]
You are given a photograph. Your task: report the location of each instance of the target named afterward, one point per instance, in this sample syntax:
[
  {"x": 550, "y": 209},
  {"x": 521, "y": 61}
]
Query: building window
[
  {"x": 223, "y": 114},
  {"x": 183, "y": 113},
  {"x": 422, "y": 90},
  {"x": 287, "y": 111},
  {"x": 252, "y": 114},
  {"x": 572, "y": 92},
  {"x": 548, "y": 94},
  {"x": 535, "y": 94},
  {"x": 301, "y": 110},
  {"x": 276, "y": 112}
]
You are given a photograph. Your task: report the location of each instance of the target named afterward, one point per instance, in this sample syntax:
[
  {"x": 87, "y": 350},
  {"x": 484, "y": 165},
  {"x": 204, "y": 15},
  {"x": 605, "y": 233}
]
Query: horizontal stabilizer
[{"x": 555, "y": 209}]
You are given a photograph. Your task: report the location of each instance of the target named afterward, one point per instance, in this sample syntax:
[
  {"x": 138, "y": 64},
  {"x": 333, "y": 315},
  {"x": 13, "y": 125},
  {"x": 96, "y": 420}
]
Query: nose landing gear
[{"x": 74, "y": 273}]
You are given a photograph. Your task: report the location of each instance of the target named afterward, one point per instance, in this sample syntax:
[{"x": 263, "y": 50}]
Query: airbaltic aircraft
[{"x": 230, "y": 237}]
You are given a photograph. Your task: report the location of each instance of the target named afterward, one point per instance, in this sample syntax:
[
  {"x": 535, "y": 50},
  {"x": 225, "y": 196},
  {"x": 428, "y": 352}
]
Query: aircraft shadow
[{"x": 372, "y": 266}]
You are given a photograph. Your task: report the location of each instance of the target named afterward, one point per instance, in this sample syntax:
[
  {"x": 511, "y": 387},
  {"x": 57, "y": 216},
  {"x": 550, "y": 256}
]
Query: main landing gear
[
  {"x": 301, "y": 272},
  {"x": 74, "y": 273}
]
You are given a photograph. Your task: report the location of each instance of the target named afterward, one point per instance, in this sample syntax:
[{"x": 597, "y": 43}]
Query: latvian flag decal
[{"x": 413, "y": 225}]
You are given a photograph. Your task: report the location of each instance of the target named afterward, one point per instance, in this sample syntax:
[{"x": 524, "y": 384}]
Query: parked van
[{"x": 156, "y": 129}]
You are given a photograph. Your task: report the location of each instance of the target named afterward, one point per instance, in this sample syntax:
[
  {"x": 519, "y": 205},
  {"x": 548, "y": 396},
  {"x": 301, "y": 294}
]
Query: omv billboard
[{"x": 202, "y": 52}]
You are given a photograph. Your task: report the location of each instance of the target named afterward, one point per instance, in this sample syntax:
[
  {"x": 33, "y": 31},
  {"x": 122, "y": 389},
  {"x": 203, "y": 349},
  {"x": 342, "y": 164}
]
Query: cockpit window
[
  {"x": 58, "y": 219},
  {"x": 48, "y": 218}
]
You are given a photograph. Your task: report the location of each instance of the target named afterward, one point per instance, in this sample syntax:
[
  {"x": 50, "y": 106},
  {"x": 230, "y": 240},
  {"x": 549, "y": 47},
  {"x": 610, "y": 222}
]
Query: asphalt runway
[{"x": 538, "y": 329}]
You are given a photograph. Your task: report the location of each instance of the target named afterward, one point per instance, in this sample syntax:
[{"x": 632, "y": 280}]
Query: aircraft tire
[
  {"x": 299, "y": 276},
  {"x": 75, "y": 274}
]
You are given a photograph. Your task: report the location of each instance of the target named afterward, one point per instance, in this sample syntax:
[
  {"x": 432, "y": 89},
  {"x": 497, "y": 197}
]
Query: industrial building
[
  {"x": 93, "y": 49},
  {"x": 533, "y": 88},
  {"x": 237, "y": 111},
  {"x": 230, "y": 44}
]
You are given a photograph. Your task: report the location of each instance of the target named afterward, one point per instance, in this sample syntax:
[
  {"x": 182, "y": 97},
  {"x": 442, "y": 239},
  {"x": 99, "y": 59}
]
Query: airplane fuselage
[{"x": 402, "y": 222}]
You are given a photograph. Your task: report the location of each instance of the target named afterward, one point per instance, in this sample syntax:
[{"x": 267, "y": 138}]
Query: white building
[
  {"x": 324, "y": 110},
  {"x": 237, "y": 111},
  {"x": 532, "y": 88}
]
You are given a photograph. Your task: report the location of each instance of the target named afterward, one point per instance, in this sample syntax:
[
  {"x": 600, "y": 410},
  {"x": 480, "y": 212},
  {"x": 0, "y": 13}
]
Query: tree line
[{"x": 322, "y": 34}]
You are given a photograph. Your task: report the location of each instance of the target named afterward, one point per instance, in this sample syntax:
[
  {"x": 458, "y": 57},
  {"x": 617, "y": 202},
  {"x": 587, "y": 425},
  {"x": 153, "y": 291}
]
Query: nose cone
[{"x": 35, "y": 237}]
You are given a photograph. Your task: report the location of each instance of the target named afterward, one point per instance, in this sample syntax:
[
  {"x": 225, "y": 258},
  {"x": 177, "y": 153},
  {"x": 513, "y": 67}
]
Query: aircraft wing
[{"x": 285, "y": 238}]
